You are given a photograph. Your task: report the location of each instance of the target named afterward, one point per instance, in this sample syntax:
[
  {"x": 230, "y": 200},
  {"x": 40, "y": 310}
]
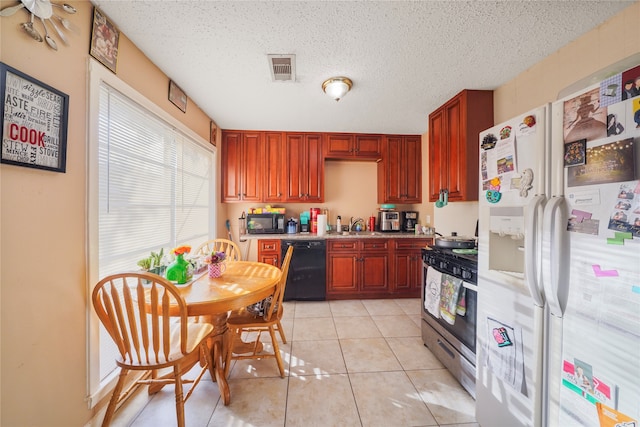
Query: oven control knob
[
  {"x": 443, "y": 265},
  {"x": 466, "y": 274},
  {"x": 457, "y": 270}
]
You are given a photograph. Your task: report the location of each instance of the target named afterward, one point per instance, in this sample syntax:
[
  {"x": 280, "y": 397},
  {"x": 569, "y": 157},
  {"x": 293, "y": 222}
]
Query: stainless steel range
[{"x": 454, "y": 345}]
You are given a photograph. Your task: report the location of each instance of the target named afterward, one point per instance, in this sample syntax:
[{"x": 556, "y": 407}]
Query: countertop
[{"x": 334, "y": 235}]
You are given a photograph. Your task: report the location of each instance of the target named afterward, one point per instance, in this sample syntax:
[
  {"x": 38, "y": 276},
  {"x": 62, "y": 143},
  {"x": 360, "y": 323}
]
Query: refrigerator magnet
[
  {"x": 575, "y": 153},
  {"x": 493, "y": 194},
  {"x": 525, "y": 182},
  {"x": 501, "y": 337},
  {"x": 527, "y": 126},
  {"x": 489, "y": 142},
  {"x": 505, "y": 132}
]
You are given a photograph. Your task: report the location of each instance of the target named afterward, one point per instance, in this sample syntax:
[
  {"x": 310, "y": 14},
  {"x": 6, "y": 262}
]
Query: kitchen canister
[{"x": 322, "y": 224}]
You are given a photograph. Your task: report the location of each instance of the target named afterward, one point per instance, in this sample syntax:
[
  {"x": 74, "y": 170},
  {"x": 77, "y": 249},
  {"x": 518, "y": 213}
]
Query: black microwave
[{"x": 265, "y": 223}]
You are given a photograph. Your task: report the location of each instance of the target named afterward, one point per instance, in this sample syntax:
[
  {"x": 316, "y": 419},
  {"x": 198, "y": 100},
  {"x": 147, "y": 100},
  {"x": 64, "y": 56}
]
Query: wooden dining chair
[
  {"x": 220, "y": 245},
  {"x": 243, "y": 320},
  {"x": 146, "y": 317}
]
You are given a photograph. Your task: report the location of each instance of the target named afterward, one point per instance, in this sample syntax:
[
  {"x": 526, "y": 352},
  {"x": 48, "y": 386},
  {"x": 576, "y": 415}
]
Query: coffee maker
[{"x": 408, "y": 221}]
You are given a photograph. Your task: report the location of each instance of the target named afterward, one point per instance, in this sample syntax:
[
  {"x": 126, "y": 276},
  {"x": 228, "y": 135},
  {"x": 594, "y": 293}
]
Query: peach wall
[
  {"x": 43, "y": 302},
  {"x": 350, "y": 191},
  {"x": 43, "y": 308},
  {"x": 612, "y": 41}
]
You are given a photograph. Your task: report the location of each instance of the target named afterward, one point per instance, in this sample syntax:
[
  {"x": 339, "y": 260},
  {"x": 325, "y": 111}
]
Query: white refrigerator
[{"x": 559, "y": 264}]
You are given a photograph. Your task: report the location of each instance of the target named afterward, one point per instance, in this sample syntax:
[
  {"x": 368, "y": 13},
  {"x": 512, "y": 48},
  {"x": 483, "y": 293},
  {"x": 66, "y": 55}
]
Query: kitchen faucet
[{"x": 357, "y": 223}]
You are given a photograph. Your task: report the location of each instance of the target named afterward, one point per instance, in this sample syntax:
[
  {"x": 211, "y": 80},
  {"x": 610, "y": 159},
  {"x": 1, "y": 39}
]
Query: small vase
[
  {"x": 216, "y": 270},
  {"x": 178, "y": 270}
]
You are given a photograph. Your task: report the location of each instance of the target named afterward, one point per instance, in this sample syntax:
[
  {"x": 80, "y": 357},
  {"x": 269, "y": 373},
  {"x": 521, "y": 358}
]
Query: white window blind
[{"x": 155, "y": 191}]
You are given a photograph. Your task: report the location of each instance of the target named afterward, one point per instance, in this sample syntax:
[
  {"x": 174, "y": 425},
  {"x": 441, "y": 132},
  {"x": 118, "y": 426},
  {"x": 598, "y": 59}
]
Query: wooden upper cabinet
[
  {"x": 368, "y": 146},
  {"x": 231, "y": 166},
  {"x": 453, "y": 144},
  {"x": 242, "y": 158},
  {"x": 349, "y": 146},
  {"x": 400, "y": 171},
  {"x": 305, "y": 165},
  {"x": 339, "y": 146},
  {"x": 275, "y": 167}
]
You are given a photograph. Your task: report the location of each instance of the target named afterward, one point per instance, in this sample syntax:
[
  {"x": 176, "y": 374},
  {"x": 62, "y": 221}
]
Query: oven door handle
[{"x": 470, "y": 286}]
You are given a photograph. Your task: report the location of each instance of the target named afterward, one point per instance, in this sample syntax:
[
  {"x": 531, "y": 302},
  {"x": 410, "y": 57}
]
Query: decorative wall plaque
[{"x": 34, "y": 122}]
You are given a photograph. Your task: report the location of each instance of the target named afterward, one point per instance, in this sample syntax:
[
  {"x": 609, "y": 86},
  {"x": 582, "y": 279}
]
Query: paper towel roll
[{"x": 322, "y": 224}]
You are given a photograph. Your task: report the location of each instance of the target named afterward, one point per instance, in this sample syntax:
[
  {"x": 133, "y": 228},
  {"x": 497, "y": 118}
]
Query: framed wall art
[
  {"x": 104, "y": 40},
  {"x": 213, "y": 133},
  {"x": 34, "y": 122},
  {"x": 177, "y": 96}
]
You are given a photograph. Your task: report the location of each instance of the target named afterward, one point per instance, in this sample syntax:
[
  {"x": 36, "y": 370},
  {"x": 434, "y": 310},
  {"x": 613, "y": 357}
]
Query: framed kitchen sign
[{"x": 34, "y": 122}]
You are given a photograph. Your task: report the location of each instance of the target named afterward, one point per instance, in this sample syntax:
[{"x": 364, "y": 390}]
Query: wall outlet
[{"x": 428, "y": 220}]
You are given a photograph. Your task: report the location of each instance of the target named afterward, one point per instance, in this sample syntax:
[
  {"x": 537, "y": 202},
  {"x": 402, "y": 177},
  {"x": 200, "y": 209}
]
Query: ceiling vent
[{"x": 282, "y": 67}]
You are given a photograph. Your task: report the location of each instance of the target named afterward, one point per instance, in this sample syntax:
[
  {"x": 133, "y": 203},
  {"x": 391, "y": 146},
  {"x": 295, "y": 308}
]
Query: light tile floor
[{"x": 348, "y": 363}]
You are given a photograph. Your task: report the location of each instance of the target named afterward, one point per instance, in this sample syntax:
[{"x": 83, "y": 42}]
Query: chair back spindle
[{"x": 220, "y": 245}]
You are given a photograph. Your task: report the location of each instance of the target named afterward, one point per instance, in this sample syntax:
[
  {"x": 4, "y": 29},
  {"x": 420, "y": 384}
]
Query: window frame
[{"x": 97, "y": 390}]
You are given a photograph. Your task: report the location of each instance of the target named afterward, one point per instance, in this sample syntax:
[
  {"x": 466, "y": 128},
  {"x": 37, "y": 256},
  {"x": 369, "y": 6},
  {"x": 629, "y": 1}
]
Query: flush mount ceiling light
[{"x": 337, "y": 87}]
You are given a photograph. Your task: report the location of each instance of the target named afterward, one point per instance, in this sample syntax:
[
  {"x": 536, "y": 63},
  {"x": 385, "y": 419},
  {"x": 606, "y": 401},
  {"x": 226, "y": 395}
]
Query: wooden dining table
[{"x": 211, "y": 299}]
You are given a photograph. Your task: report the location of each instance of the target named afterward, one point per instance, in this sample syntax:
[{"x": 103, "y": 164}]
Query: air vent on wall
[{"x": 282, "y": 67}]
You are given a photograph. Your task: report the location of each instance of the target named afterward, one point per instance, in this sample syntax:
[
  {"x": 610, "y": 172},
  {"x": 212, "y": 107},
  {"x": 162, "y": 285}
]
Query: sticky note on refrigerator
[
  {"x": 619, "y": 237},
  {"x": 580, "y": 215},
  {"x": 609, "y": 417},
  {"x": 603, "y": 273}
]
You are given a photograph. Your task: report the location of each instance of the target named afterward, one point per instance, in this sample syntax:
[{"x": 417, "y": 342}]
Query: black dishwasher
[{"x": 307, "y": 271}]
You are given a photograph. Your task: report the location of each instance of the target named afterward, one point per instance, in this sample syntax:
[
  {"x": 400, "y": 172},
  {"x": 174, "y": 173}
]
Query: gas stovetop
[{"x": 461, "y": 265}]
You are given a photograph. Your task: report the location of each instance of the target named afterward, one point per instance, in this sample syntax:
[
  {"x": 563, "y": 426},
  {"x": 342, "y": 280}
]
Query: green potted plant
[{"x": 154, "y": 263}]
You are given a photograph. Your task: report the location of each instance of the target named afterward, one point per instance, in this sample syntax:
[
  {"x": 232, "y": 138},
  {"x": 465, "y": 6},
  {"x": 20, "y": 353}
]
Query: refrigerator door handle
[
  {"x": 554, "y": 250},
  {"x": 532, "y": 241}
]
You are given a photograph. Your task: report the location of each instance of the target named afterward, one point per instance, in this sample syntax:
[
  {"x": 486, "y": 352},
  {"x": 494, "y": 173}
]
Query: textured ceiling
[{"x": 405, "y": 58}]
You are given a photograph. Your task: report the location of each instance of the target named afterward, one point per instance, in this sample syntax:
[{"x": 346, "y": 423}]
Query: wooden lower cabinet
[
  {"x": 269, "y": 251},
  {"x": 407, "y": 262},
  {"x": 374, "y": 268}
]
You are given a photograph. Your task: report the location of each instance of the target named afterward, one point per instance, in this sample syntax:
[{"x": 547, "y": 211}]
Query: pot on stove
[{"x": 455, "y": 242}]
